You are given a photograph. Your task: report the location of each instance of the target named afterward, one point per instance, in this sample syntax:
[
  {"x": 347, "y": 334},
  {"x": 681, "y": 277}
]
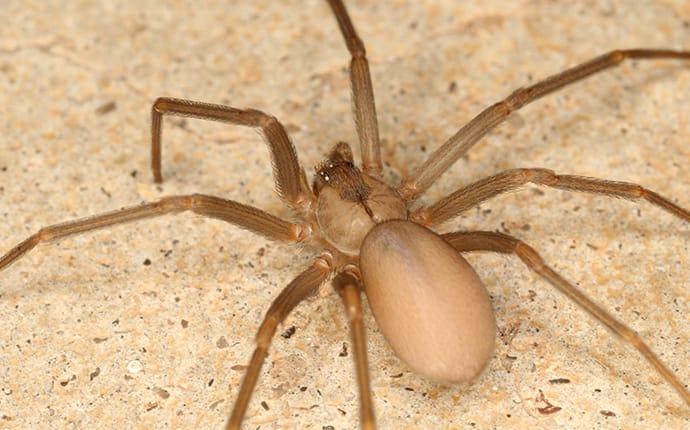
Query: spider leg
[
  {"x": 364, "y": 106},
  {"x": 455, "y": 147},
  {"x": 473, "y": 194},
  {"x": 347, "y": 285},
  {"x": 503, "y": 243},
  {"x": 248, "y": 217},
  {"x": 291, "y": 182},
  {"x": 303, "y": 286}
]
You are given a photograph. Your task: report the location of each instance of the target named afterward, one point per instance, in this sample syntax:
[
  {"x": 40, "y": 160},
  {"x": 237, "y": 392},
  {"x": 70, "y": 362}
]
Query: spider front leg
[
  {"x": 244, "y": 216},
  {"x": 503, "y": 243},
  {"x": 364, "y": 106},
  {"x": 303, "y": 286},
  {"x": 291, "y": 182},
  {"x": 347, "y": 285},
  {"x": 465, "y": 138},
  {"x": 484, "y": 189}
]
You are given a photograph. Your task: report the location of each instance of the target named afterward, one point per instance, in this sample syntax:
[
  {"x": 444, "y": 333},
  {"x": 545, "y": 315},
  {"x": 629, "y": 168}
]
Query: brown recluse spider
[{"x": 428, "y": 301}]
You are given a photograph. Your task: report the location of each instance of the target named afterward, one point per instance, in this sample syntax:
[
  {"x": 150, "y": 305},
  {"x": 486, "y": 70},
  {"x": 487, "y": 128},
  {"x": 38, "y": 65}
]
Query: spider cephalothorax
[{"x": 350, "y": 202}]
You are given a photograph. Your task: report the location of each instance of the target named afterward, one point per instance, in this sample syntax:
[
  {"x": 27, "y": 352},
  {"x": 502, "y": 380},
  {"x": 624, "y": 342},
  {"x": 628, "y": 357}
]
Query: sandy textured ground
[{"x": 148, "y": 325}]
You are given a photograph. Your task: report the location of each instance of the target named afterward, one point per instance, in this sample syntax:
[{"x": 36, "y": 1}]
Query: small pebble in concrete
[
  {"x": 222, "y": 342},
  {"x": 134, "y": 366}
]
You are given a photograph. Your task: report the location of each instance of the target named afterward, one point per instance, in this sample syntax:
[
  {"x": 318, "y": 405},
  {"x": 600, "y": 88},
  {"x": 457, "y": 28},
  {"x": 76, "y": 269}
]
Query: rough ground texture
[{"x": 149, "y": 325}]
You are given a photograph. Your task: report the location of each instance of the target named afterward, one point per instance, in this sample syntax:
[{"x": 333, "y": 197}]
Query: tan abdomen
[{"x": 428, "y": 301}]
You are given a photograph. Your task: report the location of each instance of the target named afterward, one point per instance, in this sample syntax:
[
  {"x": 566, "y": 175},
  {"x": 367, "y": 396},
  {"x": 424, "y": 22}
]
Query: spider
[{"x": 339, "y": 173}]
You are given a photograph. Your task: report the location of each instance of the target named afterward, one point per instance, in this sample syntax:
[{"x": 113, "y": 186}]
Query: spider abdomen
[{"x": 428, "y": 301}]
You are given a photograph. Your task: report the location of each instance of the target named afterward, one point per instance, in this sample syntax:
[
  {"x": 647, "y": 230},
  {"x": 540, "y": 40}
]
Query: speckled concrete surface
[{"x": 149, "y": 325}]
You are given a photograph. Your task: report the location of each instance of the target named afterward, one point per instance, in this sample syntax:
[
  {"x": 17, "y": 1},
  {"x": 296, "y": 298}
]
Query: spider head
[
  {"x": 350, "y": 202},
  {"x": 339, "y": 172}
]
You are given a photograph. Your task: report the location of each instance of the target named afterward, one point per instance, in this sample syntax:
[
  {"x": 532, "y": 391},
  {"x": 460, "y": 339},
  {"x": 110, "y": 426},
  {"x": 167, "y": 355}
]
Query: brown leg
[
  {"x": 299, "y": 289},
  {"x": 291, "y": 182},
  {"x": 362, "y": 92},
  {"x": 498, "y": 242},
  {"x": 455, "y": 147},
  {"x": 473, "y": 194},
  {"x": 347, "y": 286},
  {"x": 241, "y": 215}
]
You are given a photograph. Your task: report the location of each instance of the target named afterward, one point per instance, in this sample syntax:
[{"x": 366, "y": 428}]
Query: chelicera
[{"x": 428, "y": 301}]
